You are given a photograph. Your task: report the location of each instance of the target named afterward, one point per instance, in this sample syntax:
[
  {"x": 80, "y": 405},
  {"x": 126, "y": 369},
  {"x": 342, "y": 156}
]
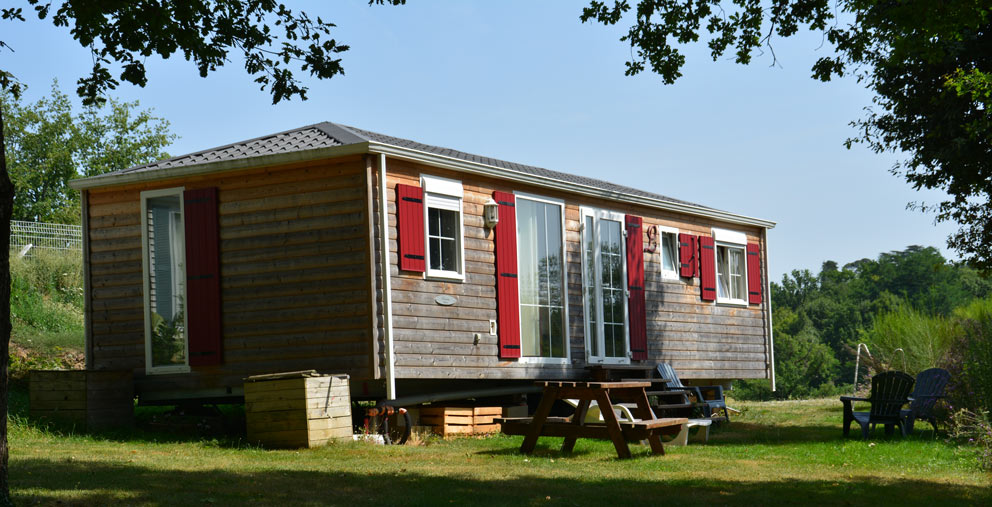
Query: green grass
[
  {"x": 776, "y": 453},
  {"x": 46, "y": 311}
]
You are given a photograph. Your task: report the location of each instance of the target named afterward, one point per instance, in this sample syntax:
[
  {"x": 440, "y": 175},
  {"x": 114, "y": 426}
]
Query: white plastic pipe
[
  {"x": 768, "y": 303},
  {"x": 387, "y": 288}
]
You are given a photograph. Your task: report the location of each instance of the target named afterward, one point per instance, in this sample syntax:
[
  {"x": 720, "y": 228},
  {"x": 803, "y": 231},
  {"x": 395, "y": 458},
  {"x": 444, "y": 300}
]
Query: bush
[
  {"x": 924, "y": 340},
  {"x": 970, "y": 357},
  {"x": 974, "y": 429}
]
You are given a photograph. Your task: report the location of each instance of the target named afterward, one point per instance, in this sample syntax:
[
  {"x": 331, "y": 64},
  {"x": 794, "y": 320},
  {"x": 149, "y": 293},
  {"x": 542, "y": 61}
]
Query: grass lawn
[{"x": 776, "y": 453}]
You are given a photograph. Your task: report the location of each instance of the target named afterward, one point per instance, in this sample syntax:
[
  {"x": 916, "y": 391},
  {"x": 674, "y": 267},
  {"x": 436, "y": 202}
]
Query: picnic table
[{"x": 605, "y": 394}]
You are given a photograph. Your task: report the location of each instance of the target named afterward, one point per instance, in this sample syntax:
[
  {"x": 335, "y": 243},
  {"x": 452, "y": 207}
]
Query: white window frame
[
  {"x": 446, "y": 194},
  {"x": 730, "y": 239},
  {"x": 564, "y": 271},
  {"x": 146, "y": 282},
  {"x": 666, "y": 274},
  {"x": 598, "y": 214}
]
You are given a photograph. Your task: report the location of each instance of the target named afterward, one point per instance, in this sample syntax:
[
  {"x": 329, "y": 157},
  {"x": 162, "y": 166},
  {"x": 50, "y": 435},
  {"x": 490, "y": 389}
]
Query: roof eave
[
  {"x": 109, "y": 180},
  {"x": 457, "y": 164}
]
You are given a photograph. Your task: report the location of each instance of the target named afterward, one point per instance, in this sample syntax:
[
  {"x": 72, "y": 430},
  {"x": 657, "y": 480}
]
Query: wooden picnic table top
[{"x": 625, "y": 384}]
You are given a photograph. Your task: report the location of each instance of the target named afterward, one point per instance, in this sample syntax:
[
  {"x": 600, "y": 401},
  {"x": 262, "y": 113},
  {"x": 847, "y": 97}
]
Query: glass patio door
[{"x": 603, "y": 286}]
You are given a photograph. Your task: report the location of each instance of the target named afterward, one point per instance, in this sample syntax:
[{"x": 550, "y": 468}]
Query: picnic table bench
[{"x": 605, "y": 394}]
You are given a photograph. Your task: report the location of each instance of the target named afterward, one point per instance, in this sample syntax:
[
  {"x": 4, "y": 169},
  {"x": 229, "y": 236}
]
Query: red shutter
[
  {"x": 410, "y": 227},
  {"x": 635, "y": 286},
  {"x": 753, "y": 273},
  {"x": 687, "y": 255},
  {"x": 707, "y": 268},
  {"x": 202, "y": 277},
  {"x": 507, "y": 295}
]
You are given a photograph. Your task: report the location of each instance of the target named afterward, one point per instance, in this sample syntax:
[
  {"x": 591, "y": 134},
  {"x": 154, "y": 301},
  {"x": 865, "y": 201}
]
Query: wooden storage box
[
  {"x": 89, "y": 399},
  {"x": 298, "y": 409},
  {"x": 461, "y": 420}
]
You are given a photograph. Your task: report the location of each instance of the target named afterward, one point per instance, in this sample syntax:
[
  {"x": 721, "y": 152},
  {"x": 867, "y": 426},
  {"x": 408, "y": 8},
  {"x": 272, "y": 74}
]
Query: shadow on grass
[
  {"x": 40, "y": 481},
  {"x": 231, "y": 435}
]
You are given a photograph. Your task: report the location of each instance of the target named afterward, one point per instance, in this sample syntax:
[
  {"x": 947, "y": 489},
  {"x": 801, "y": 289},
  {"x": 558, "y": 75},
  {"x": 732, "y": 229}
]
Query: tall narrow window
[
  {"x": 669, "y": 252},
  {"x": 730, "y": 273},
  {"x": 604, "y": 277},
  {"x": 443, "y": 214},
  {"x": 540, "y": 275},
  {"x": 166, "y": 348},
  {"x": 731, "y": 279}
]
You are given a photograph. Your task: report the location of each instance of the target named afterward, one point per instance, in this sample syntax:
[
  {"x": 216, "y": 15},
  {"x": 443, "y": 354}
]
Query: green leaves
[
  {"x": 48, "y": 145},
  {"x": 740, "y": 26},
  {"x": 929, "y": 63}
]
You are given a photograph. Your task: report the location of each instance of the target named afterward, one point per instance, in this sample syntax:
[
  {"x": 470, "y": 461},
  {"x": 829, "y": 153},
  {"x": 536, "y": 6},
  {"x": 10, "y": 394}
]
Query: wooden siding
[
  {"x": 702, "y": 340},
  {"x": 295, "y": 275}
]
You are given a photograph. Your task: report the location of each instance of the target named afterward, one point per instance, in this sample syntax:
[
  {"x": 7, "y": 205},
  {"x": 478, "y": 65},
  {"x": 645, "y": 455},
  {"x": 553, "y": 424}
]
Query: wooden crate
[
  {"x": 461, "y": 420},
  {"x": 300, "y": 409},
  {"x": 88, "y": 399}
]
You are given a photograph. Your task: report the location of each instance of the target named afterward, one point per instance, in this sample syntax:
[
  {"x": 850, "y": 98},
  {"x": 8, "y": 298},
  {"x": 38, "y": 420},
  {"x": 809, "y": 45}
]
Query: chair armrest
[
  {"x": 694, "y": 391},
  {"x": 715, "y": 392},
  {"x": 853, "y": 398}
]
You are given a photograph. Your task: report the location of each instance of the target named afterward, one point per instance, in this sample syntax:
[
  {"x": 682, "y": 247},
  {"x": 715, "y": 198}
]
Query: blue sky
[{"x": 527, "y": 82}]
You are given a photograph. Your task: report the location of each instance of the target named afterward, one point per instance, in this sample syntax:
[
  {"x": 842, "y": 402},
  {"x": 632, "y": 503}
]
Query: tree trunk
[{"x": 6, "y": 208}]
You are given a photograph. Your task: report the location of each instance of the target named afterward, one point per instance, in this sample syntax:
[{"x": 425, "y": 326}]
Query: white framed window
[
  {"x": 541, "y": 279},
  {"x": 444, "y": 230},
  {"x": 731, "y": 267},
  {"x": 669, "y": 246},
  {"x": 604, "y": 277},
  {"x": 163, "y": 252}
]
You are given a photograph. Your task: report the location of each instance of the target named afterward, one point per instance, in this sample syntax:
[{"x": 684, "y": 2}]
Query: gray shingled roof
[{"x": 327, "y": 135}]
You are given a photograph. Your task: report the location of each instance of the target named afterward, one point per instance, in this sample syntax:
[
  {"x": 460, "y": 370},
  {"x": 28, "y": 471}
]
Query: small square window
[
  {"x": 442, "y": 236},
  {"x": 443, "y": 214}
]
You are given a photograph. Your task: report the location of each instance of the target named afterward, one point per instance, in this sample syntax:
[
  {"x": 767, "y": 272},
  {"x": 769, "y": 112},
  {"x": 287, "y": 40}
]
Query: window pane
[
  {"x": 540, "y": 277},
  {"x": 722, "y": 273},
  {"x": 737, "y": 272},
  {"x": 433, "y": 221},
  {"x": 557, "y": 332},
  {"x": 613, "y": 288},
  {"x": 166, "y": 281},
  {"x": 449, "y": 223},
  {"x": 590, "y": 279},
  {"x": 530, "y": 324},
  {"x": 449, "y": 254},
  {"x": 527, "y": 258},
  {"x": 668, "y": 251},
  {"x": 435, "y": 253}
]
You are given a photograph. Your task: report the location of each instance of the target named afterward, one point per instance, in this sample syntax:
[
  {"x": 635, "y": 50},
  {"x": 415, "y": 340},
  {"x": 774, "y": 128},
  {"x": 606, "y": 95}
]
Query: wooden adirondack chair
[
  {"x": 889, "y": 392},
  {"x": 709, "y": 398},
  {"x": 929, "y": 388}
]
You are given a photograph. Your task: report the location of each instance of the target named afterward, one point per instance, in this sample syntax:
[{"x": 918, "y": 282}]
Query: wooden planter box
[
  {"x": 461, "y": 420},
  {"x": 89, "y": 399},
  {"x": 300, "y": 409}
]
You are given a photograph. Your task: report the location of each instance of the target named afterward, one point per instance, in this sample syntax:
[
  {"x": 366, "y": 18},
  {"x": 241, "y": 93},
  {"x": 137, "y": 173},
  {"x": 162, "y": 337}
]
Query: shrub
[
  {"x": 970, "y": 357},
  {"x": 923, "y": 339},
  {"x": 974, "y": 429}
]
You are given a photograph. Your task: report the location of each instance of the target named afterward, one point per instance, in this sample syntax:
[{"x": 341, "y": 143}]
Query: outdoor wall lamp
[{"x": 490, "y": 213}]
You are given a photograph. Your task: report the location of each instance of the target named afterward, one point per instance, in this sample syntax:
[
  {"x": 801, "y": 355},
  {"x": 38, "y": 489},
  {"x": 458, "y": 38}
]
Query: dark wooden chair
[
  {"x": 671, "y": 404},
  {"x": 929, "y": 388},
  {"x": 709, "y": 398},
  {"x": 889, "y": 392}
]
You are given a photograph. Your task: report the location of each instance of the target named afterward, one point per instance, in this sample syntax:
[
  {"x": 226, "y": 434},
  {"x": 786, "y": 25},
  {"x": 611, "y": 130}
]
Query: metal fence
[{"x": 42, "y": 235}]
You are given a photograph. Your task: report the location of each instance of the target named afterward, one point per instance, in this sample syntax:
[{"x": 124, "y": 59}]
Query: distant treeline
[{"x": 899, "y": 300}]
